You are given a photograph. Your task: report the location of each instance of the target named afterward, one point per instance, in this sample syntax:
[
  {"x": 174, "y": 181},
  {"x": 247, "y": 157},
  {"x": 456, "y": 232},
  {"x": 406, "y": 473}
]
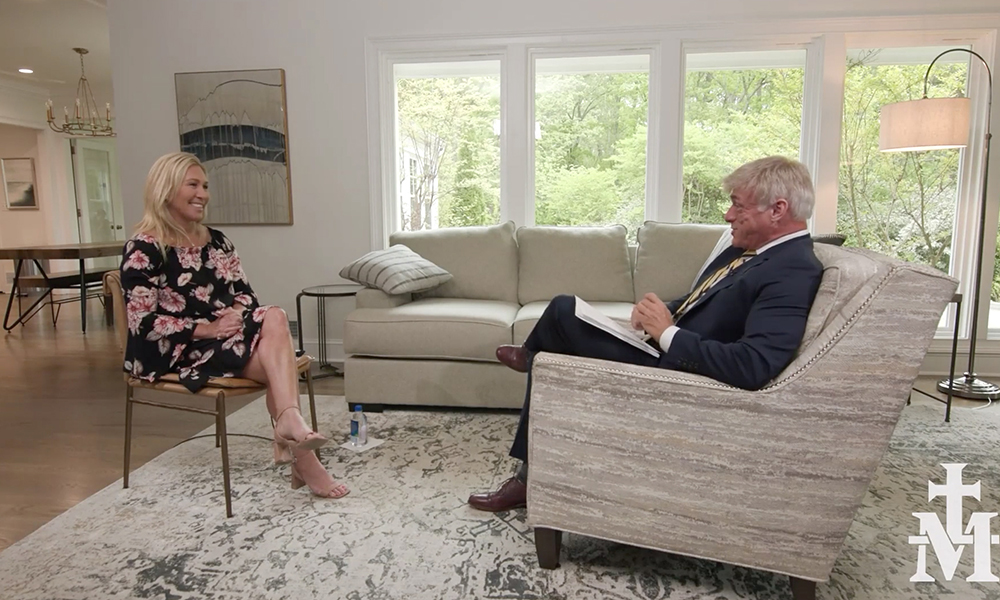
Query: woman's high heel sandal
[
  {"x": 298, "y": 481},
  {"x": 283, "y": 448},
  {"x": 282, "y": 453}
]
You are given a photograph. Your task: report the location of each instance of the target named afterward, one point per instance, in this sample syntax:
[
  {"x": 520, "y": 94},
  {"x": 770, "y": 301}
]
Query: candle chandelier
[{"x": 87, "y": 119}]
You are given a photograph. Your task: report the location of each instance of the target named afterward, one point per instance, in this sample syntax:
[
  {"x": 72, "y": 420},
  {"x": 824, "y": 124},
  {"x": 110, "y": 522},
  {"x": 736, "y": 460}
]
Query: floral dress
[{"x": 167, "y": 296}]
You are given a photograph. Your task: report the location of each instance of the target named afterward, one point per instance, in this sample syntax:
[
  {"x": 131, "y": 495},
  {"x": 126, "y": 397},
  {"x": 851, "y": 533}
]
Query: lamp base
[{"x": 971, "y": 387}]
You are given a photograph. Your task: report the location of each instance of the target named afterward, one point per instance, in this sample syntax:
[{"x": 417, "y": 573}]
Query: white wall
[{"x": 321, "y": 46}]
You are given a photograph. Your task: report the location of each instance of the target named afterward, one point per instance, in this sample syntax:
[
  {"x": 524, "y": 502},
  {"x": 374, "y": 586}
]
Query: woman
[{"x": 191, "y": 311}]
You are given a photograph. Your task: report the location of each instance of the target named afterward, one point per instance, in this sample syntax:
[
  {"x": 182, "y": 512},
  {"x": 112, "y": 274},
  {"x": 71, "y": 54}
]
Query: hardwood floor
[{"x": 63, "y": 418}]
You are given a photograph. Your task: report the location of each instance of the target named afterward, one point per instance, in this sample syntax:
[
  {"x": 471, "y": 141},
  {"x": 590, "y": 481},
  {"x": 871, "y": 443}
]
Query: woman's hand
[{"x": 229, "y": 323}]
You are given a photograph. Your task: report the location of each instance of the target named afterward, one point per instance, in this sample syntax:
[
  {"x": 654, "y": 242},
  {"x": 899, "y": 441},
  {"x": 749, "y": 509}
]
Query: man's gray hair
[{"x": 773, "y": 177}]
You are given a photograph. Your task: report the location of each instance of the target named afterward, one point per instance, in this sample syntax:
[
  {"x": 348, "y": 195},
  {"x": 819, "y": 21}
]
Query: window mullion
[
  {"x": 517, "y": 190},
  {"x": 664, "y": 203},
  {"x": 822, "y": 119}
]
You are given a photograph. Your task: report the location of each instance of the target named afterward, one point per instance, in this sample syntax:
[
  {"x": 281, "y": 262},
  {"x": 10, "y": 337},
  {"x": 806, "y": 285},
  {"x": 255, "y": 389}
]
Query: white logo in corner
[{"x": 949, "y": 541}]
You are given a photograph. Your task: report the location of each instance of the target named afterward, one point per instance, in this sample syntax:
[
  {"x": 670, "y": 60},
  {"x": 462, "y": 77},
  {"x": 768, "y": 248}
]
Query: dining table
[{"x": 51, "y": 281}]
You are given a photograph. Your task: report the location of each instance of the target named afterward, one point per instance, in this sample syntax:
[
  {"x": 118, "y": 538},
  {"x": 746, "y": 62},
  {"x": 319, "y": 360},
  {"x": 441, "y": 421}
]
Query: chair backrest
[{"x": 113, "y": 289}]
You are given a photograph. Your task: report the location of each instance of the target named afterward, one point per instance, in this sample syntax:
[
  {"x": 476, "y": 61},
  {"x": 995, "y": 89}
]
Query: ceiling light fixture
[
  {"x": 86, "y": 119},
  {"x": 25, "y": 70}
]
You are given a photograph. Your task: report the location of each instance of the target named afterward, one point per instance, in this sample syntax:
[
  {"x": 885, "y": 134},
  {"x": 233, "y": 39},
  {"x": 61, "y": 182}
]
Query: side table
[
  {"x": 957, "y": 300},
  {"x": 321, "y": 293}
]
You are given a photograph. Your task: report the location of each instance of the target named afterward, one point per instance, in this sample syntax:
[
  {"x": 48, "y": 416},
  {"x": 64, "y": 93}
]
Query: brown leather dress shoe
[
  {"x": 512, "y": 494},
  {"x": 515, "y": 357}
]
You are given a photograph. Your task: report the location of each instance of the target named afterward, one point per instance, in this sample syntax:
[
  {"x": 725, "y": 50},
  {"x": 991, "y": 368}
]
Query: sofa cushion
[
  {"x": 395, "y": 270},
  {"x": 440, "y": 328},
  {"x": 670, "y": 255},
  {"x": 481, "y": 260},
  {"x": 589, "y": 262},
  {"x": 531, "y": 312}
]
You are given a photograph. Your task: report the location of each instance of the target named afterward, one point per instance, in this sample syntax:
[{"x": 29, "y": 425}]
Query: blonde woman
[{"x": 191, "y": 311}]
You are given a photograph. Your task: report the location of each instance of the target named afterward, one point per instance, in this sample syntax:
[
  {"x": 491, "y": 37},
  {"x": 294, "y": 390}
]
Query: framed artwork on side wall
[
  {"x": 235, "y": 123},
  {"x": 19, "y": 183}
]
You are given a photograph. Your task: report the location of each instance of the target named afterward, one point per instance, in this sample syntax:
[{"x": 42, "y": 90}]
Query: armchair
[{"x": 769, "y": 479}]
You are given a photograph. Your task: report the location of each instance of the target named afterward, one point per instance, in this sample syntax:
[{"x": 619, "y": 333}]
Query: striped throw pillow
[{"x": 395, "y": 270}]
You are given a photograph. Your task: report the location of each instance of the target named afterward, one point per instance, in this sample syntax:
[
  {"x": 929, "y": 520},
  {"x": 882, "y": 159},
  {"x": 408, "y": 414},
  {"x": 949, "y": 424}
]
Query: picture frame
[
  {"x": 20, "y": 190},
  {"x": 236, "y": 123}
]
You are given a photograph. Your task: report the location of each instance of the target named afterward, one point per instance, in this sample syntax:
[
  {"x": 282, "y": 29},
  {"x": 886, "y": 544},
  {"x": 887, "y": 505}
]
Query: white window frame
[
  {"x": 652, "y": 118},
  {"x": 810, "y": 115},
  {"x": 826, "y": 42},
  {"x": 965, "y": 227}
]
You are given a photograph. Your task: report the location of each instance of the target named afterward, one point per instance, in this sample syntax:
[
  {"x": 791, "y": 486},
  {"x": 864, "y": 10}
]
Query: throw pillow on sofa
[{"x": 395, "y": 270}]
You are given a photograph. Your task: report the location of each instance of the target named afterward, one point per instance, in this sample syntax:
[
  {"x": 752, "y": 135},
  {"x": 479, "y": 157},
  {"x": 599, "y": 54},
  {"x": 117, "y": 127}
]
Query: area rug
[{"x": 405, "y": 531}]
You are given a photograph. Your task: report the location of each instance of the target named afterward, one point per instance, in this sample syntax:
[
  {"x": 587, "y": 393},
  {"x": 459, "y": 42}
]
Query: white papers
[{"x": 590, "y": 315}]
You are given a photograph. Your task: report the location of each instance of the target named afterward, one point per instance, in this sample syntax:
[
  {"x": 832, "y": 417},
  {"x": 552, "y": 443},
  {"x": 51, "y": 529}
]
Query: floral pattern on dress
[{"x": 168, "y": 293}]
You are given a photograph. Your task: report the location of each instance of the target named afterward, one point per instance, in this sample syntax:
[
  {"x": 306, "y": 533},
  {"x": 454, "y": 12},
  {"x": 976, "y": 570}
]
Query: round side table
[{"x": 321, "y": 293}]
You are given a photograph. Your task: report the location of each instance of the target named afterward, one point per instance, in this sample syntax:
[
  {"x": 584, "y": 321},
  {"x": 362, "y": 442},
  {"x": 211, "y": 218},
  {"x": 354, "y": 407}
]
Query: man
[{"x": 741, "y": 324}]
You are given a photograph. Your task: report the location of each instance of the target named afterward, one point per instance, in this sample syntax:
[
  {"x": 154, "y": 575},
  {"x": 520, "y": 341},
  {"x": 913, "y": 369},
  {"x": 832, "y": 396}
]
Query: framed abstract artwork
[
  {"x": 19, "y": 183},
  {"x": 235, "y": 122}
]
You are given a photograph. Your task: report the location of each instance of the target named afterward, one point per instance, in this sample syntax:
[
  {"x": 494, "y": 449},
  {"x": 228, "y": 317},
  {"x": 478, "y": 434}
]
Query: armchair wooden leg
[
  {"x": 803, "y": 589},
  {"x": 220, "y": 409},
  {"x": 128, "y": 431},
  {"x": 548, "y": 542},
  {"x": 312, "y": 404}
]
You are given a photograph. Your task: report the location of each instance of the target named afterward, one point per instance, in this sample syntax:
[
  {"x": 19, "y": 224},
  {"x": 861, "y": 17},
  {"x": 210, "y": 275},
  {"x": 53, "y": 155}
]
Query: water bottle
[{"x": 359, "y": 427}]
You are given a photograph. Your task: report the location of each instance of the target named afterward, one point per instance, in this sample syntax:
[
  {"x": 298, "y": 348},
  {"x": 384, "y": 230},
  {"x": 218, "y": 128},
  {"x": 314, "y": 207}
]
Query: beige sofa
[{"x": 437, "y": 348}]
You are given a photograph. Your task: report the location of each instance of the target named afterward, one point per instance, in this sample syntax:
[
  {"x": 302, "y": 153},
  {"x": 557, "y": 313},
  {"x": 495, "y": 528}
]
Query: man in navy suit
[{"x": 741, "y": 324}]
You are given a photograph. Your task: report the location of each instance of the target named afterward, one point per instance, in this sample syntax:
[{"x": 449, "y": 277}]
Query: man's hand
[{"x": 651, "y": 315}]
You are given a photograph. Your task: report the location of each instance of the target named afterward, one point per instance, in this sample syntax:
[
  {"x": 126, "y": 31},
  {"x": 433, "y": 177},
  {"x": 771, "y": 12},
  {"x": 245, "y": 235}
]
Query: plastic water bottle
[{"x": 359, "y": 427}]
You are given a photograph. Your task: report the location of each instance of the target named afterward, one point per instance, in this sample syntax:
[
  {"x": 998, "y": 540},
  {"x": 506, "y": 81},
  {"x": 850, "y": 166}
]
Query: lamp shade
[{"x": 925, "y": 124}]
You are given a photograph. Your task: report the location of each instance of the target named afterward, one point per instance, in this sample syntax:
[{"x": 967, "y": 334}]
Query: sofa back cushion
[
  {"x": 670, "y": 255},
  {"x": 589, "y": 262},
  {"x": 481, "y": 260}
]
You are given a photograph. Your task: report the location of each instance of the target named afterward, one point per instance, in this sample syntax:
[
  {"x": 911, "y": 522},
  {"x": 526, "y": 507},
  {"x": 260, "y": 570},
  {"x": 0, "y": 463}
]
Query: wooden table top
[{"x": 63, "y": 251}]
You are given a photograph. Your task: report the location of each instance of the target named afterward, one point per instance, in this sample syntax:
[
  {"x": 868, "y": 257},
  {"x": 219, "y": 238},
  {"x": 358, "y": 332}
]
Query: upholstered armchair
[{"x": 769, "y": 479}]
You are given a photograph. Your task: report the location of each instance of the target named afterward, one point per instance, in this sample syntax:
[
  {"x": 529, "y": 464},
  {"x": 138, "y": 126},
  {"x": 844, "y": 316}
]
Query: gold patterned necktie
[{"x": 711, "y": 280}]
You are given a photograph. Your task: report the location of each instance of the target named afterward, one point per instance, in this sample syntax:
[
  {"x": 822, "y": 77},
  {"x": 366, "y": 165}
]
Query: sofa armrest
[{"x": 373, "y": 298}]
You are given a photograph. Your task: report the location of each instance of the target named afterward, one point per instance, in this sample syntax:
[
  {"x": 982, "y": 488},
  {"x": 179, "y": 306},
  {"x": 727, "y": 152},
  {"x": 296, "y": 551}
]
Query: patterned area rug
[{"x": 406, "y": 532}]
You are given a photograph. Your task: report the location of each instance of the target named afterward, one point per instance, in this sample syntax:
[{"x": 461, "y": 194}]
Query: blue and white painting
[{"x": 234, "y": 121}]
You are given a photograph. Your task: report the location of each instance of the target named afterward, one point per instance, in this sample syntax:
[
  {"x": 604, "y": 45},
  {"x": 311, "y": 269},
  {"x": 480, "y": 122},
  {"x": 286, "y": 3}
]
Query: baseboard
[{"x": 334, "y": 350}]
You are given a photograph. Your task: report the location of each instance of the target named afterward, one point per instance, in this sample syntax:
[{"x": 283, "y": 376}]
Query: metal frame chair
[{"x": 218, "y": 388}]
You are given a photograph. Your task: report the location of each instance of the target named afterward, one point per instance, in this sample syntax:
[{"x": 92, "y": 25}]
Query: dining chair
[{"x": 217, "y": 388}]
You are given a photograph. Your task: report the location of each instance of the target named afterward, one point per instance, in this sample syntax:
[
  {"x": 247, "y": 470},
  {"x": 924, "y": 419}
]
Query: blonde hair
[
  {"x": 165, "y": 178},
  {"x": 768, "y": 179}
]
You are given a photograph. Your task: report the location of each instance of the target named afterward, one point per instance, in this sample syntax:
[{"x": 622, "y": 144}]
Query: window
[
  {"x": 901, "y": 204},
  {"x": 590, "y": 149},
  {"x": 445, "y": 144},
  {"x": 738, "y": 106}
]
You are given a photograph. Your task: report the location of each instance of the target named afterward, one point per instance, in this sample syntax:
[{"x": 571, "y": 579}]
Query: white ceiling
[{"x": 41, "y": 35}]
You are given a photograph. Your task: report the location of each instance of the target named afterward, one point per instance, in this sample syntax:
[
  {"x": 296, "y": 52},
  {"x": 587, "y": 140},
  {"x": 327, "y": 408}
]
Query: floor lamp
[{"x": 932, "y": 124}]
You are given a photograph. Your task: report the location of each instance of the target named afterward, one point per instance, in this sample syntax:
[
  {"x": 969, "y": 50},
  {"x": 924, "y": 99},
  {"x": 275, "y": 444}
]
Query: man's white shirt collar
[{"x": 781, "y": 240}]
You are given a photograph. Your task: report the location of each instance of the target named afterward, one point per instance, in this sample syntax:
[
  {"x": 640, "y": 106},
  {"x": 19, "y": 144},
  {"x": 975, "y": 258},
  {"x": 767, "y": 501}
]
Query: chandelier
[{"x": 86, "y": 119}]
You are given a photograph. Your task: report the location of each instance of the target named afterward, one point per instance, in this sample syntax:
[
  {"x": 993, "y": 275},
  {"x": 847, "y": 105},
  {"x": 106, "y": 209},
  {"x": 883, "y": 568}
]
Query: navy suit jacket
[{"x": 748, "y": 326}]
